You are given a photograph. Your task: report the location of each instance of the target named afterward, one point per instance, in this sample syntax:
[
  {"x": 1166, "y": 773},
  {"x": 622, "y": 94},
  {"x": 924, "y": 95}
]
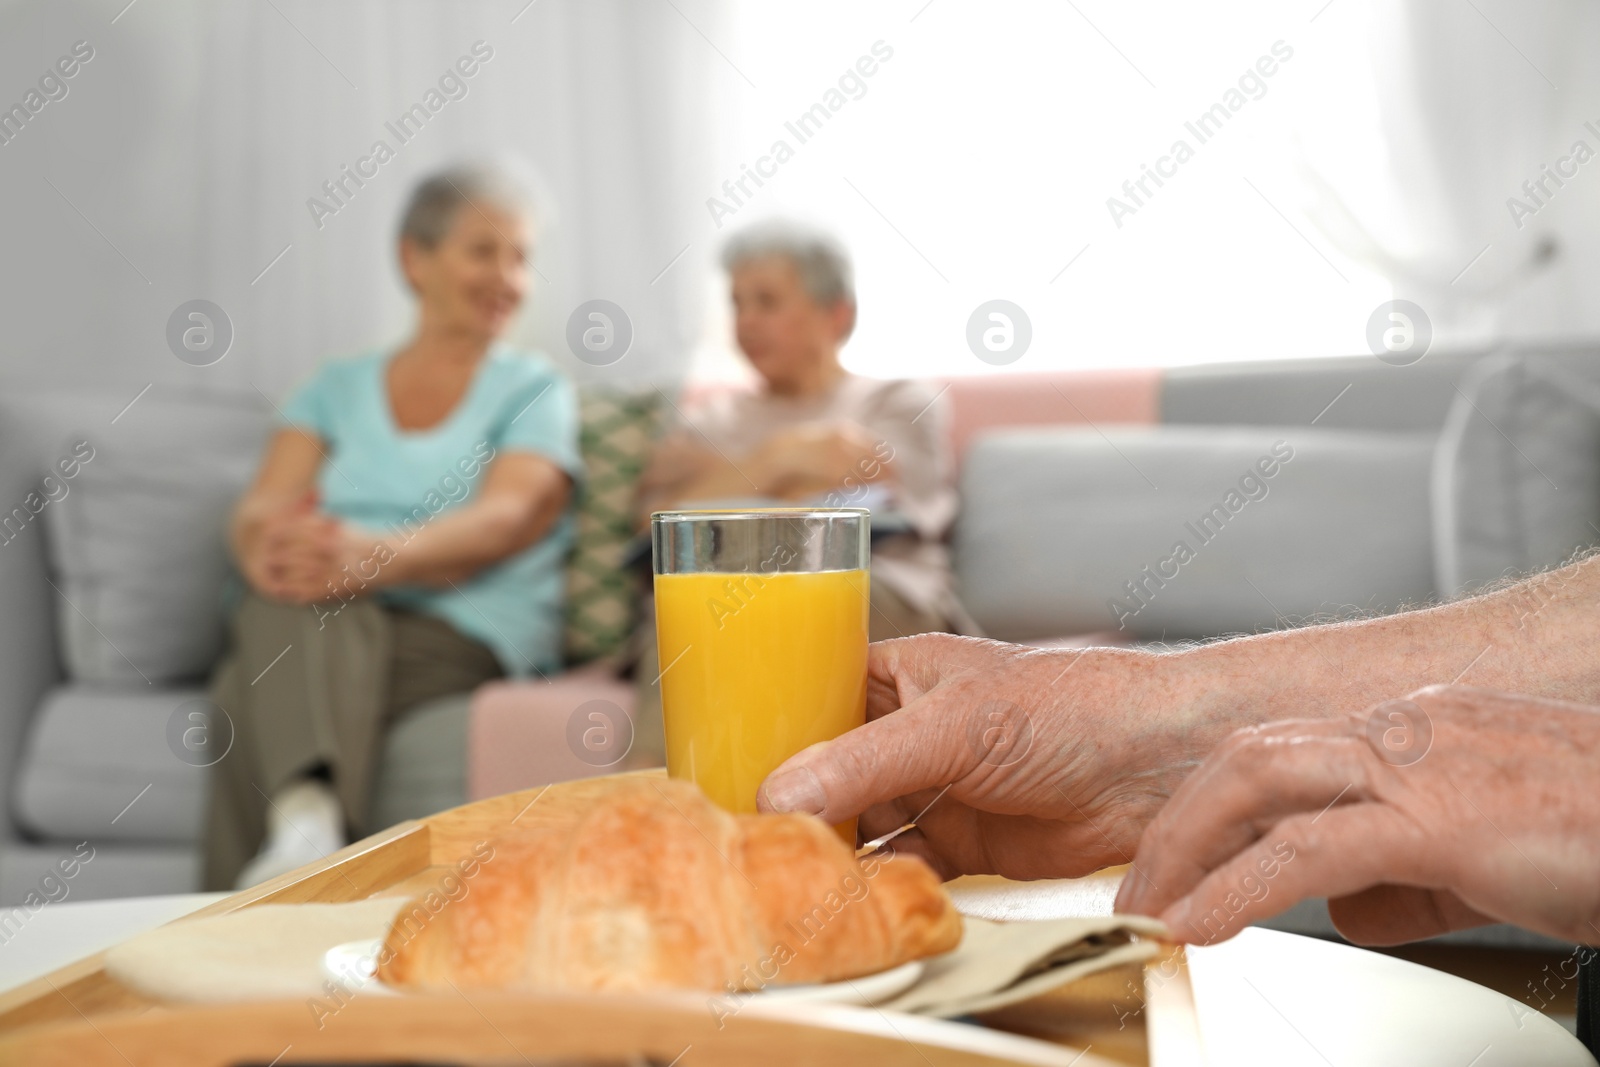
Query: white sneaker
[{"x": 304, "y": 824}]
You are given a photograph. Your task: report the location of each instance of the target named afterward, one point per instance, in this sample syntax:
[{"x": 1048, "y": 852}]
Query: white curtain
[
  {"x": 1421, "y": 133},
  {"x": 180, "y": 163}
]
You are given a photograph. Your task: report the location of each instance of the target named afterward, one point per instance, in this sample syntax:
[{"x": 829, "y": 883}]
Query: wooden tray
[
  {"x": 80, "y": 1015},
  {"x": 539, "y": 1031}
]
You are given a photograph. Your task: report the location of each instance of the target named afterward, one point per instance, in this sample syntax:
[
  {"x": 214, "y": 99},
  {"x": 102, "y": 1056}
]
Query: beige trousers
[{"x": 305, "y": 689}]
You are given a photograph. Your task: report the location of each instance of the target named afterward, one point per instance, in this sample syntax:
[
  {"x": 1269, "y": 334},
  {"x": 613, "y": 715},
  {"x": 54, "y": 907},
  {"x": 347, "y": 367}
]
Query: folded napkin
[
  {"x": 276, "y": 950},
  {"x": 1000, "y": 963},
  {"x": 268, "y": 951}
]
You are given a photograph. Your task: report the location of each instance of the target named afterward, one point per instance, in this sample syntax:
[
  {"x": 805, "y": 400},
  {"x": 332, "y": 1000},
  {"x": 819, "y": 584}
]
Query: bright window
[{"x": 976, "y": 162}]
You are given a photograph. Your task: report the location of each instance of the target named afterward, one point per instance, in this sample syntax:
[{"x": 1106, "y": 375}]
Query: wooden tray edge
[
  {"x": 356, "y": 872},
  {"x": 477, "y": 1026}
]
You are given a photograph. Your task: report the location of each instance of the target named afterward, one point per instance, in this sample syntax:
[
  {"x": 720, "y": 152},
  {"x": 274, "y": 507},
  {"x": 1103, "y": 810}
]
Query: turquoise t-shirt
[{"x": 395, "y": 482}]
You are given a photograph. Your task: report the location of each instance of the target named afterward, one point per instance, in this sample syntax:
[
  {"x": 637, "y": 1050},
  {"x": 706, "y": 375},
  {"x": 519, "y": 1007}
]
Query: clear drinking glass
[{"x": 761, "y": 625}]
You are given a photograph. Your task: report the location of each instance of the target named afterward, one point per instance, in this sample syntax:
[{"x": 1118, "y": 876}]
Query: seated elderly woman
[
  {"x": 814, "y": 433},
  {"x": 403, "y": 539}
]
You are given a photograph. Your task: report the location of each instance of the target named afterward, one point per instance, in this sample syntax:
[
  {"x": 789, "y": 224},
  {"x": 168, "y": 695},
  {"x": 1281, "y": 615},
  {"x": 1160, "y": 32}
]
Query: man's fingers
[
  {"x": 1266, "y": 745},
  {"x": 1341, "y": 852},
  {"x": 922, "y": 746},
  {"x": 1253, "y": 781}
]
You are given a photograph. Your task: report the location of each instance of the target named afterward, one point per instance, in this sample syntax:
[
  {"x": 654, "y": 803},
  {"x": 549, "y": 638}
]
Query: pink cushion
[
  {"x": 517, "y": 733},
  {"x": 990, "y": 401}
]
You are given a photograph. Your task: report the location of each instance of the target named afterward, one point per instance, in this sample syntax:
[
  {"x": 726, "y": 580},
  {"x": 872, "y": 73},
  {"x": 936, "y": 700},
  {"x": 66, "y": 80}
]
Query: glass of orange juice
[{"x": 761, "y": 625}]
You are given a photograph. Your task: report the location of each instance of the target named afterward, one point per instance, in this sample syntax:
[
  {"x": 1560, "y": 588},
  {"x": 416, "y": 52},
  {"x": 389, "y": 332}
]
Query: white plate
[
  {"x": 354, "y": 965},
  {"x": 871, "y": 989}
]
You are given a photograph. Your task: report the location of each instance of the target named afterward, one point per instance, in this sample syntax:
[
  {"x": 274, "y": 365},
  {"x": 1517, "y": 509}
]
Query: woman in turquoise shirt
[{"x": 403, "y": 539}]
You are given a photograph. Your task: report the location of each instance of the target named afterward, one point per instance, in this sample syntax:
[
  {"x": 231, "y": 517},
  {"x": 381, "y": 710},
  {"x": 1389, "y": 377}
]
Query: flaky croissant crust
[{"x": 643, "y": 883}]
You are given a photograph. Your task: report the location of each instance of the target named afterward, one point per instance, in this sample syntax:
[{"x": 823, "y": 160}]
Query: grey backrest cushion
[
  {"x": 100, "y": 764},
  {"x": 1517, "y": 470},
  {"x": 1070, "y": 531},
  {"x": 1364, "y": 393},
  {"x": 137, "y": 543}
]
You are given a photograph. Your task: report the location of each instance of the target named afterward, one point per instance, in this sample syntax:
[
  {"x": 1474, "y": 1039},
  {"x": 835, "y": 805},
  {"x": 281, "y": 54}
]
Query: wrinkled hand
[
  {"x": 289, "y": 550},
  {"x": 1454, "y": 808},
  {"x": 1030, "y": 763},
  {"x": 296, "y": 556},
  {"x": 817, "y": 457},
  {"x": 305, "y": 556}
]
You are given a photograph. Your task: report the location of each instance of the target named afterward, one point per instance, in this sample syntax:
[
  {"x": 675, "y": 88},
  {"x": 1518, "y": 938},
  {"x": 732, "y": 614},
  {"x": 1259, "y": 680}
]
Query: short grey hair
[
  {"x": 431, "y": 210},
  {"x": 818, "y": 257}
]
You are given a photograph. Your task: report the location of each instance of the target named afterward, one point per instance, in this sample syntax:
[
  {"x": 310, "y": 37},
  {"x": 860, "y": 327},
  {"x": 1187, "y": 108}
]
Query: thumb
[{"x": 922, "y": 746}]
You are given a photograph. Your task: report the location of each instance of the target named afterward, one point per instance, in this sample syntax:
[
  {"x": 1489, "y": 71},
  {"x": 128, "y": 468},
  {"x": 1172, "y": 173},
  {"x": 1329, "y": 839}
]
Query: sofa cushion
[
  {"x": 97, "y": 766},
  {"x": 1079, "y": 530},
  {"x": 138, "y": 545},
  {"x": 424, "y": 765},
  {"x": 1339, "y": 392},
  {"x": 110, "y": 765},
  {"x": 1517, "y": 470},
  {"x": 112, "y": 871}
]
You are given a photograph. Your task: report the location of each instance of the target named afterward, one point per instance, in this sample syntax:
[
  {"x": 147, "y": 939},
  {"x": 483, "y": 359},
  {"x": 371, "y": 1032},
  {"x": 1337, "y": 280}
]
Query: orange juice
[{"x": 755, "y": 668}]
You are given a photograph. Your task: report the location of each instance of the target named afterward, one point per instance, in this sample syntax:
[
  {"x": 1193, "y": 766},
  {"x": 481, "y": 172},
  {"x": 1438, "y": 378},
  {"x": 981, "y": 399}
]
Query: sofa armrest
[
  {"x": 1516, "y": 475},
  {"x": 29, "y": 664},
  {"x": 526, "y": 734}
]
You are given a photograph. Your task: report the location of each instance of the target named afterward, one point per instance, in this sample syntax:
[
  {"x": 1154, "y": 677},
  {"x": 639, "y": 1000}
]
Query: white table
[
  {"x": 1270, "y": 997},
  {"x": 1263, "y": 998},
  {"x": 1280, "y": 999},
  {"x": 58, "y": 934}
]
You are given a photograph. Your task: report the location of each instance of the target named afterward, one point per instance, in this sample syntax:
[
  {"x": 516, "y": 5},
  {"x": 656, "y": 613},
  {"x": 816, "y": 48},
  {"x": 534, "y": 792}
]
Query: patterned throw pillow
[{"x": 618, "y": 428}]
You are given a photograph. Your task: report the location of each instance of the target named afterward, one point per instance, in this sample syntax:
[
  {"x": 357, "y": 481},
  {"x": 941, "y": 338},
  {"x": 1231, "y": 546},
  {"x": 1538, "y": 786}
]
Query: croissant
[{"x": 652, "y": 886}]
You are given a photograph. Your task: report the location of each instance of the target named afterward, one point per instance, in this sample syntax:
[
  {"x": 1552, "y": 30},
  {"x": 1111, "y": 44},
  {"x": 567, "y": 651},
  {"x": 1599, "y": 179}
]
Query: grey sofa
[
  {"x": 1407, "y": 485},
  {"x": 112, "y": 616}
]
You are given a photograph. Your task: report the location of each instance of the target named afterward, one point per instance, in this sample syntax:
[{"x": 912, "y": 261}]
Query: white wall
[
  {"x": 193, "y": 139},
  {"x": 1374, "y": 162}
]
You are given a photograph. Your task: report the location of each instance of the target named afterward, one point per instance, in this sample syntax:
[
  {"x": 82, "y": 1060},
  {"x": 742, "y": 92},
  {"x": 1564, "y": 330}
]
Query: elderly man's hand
[
  {"x": 1025, "y": 762},
  {"x": 1453, "y": 808},
  {"x": 819, "y": 456}
]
